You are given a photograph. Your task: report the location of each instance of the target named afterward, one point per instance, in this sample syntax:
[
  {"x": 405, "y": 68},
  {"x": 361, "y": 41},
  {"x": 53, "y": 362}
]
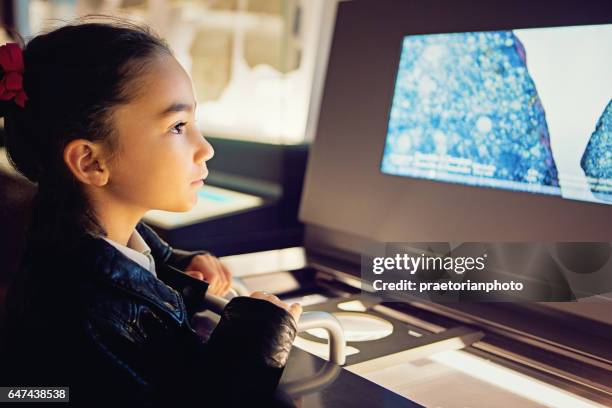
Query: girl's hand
[
  {"x": 207, "y": 267},
  {"x": 295, "y": 309}
]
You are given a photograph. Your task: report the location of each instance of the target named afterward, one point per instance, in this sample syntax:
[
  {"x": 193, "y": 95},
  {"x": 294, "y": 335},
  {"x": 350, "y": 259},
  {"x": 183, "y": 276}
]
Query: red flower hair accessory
[{"x": 11, "y": 84}]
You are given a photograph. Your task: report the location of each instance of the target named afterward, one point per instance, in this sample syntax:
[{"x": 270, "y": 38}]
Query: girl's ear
[{"x": 85, "y": 159}]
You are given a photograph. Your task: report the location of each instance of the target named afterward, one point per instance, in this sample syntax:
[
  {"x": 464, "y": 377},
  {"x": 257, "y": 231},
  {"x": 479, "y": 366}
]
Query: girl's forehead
[
  {"x": 165, "y": 90},
  {"x": 166, "y": 84}
]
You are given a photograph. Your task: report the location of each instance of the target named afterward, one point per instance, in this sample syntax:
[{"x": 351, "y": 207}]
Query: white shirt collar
[{"x": 137, "y": 250}]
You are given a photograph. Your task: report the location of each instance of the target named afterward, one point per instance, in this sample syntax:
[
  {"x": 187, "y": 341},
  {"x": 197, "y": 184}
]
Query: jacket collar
[
  {"x": 114, "y": 268},
  {"x": 136, "y": 249}
]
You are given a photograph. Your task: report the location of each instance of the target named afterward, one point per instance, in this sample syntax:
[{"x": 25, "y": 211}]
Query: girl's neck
[
  {"x": 118, "y": 230},
  {"x": 118, "y": 219}
]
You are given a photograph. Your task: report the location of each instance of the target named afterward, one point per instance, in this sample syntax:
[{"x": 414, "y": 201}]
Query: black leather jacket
[{"x": 107, "y": 328}]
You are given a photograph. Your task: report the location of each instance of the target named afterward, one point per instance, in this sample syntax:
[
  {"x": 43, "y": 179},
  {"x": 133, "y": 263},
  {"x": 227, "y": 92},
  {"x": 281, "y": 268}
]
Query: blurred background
[{"x": 263, "y": 49}]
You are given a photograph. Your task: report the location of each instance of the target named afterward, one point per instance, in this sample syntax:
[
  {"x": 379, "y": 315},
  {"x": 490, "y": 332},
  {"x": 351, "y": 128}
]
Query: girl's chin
[
  {"x": 191, "y": 204},
  {"x": 183, "y": 207}
]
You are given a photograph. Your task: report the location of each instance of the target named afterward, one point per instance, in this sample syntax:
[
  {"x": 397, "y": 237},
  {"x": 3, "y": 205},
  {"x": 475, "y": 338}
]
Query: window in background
[{"x": 252, "y": 61}]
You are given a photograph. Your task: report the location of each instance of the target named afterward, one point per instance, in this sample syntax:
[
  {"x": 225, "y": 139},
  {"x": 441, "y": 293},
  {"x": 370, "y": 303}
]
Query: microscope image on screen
[
  {"x": 522, "y": 110},
  {"x": 597, "y": 158}
]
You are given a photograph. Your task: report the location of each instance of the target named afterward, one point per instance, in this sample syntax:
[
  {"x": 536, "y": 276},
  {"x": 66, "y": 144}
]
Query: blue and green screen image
[{"x": 523, "y": 110}]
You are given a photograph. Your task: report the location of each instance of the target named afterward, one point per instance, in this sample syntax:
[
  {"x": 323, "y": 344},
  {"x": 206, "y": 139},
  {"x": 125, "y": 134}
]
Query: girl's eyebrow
[{"x": 178, "y": 107}]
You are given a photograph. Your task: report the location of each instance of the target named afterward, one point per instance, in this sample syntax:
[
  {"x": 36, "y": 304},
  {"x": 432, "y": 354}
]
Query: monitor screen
[
  {"x": 461, "y": 121},
  {"x": 523, "y": 110}
]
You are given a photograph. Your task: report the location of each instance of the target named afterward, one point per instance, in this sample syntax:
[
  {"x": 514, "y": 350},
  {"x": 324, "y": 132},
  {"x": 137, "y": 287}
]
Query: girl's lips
[{"x": 201, "y": 179}]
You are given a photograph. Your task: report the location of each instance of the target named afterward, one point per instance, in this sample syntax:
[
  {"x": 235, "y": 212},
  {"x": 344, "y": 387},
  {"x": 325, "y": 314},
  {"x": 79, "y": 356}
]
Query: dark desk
[{"x": 338, "y": 388}]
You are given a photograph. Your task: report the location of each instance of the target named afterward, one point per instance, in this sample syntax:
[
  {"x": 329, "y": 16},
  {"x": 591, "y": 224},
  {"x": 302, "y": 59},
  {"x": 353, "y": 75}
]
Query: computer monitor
[
  {"x": 462, "y": 121},
  {"x": 506, "y": 109}
]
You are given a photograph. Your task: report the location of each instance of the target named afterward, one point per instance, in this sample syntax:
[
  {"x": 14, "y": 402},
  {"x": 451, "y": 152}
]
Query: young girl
[{"x": 102, "y": 117}]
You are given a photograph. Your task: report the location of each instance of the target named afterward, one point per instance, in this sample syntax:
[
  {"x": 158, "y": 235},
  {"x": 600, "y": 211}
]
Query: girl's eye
[{"x": 179, "y": 127}]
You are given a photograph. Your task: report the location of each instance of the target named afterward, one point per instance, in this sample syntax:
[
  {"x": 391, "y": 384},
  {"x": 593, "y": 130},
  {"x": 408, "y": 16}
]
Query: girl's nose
[{"x": 205, "y": 150}]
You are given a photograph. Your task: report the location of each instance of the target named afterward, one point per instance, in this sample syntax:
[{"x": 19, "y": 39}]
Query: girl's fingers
[
  {"x": 195, "y": 274},
  {"x": 211, "y": 270},
  {"x": 216, "y": 285},
  {"x": 228, "y": 276},
  {"x": 218, "y": 276},
  {"x": 200, "y": 276},
  {"x": 223, "y": 284},
  {"x": 267, "y": 296},
  {"x": 295, "y": 310},
  {"x": 215, "y": 279}
]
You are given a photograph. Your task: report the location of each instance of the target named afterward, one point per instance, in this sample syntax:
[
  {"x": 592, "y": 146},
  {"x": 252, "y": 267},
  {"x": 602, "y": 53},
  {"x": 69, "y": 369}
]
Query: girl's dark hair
[{"x": 74, "y": 77}]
